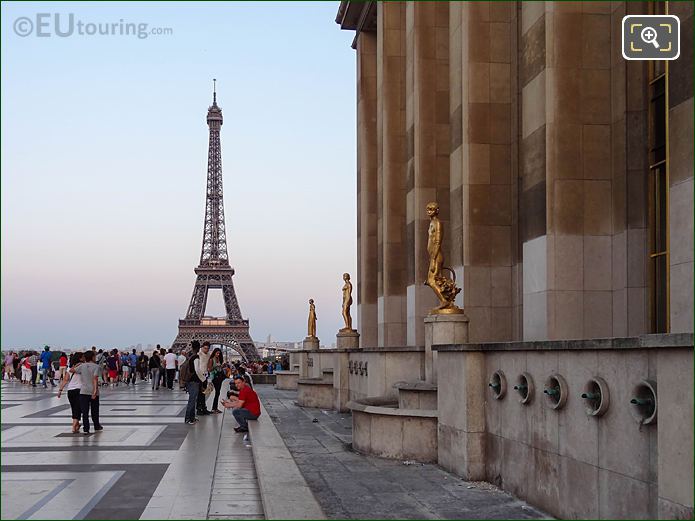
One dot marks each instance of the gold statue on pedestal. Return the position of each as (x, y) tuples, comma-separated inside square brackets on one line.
[(311, 329), (347, 302), (443, 286)]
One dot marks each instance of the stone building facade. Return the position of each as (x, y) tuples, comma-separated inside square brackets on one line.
[(564, 172), (564, 175)]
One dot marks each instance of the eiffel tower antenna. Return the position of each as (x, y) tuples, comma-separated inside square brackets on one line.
[(214, 271)]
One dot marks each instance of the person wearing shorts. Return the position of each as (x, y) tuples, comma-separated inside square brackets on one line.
[(9, 367)]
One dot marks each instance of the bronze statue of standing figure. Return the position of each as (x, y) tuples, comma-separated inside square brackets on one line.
[(347, 302), (443, 286)]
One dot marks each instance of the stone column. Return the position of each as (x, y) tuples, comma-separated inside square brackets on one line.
[(391, 305), (442, 329), (566, 209), (578, 246), (427, 123), (680, 129), (367, 188), (482, 169)]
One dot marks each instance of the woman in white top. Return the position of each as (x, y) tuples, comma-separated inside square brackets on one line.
[(73, 382)]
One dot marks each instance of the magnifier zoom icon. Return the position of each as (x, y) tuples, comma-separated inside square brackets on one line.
[(648, 35)]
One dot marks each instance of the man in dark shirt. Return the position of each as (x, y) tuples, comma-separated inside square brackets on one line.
[(244, 408)]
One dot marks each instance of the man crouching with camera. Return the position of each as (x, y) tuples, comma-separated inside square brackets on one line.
[(244, 408)]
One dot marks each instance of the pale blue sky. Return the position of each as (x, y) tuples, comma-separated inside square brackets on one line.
[(104, 150)]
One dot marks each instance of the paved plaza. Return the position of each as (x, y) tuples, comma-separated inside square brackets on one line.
[(145, 464), (353, 486)]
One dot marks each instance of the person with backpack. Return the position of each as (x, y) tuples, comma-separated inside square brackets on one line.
[(192, 374)]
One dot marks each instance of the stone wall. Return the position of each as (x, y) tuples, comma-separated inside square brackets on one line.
[(564, 460)]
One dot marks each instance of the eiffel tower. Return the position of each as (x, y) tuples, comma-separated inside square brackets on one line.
[(214, 271)]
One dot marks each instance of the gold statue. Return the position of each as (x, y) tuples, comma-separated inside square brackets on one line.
[(347, 302), (444, 287), (312, 319)]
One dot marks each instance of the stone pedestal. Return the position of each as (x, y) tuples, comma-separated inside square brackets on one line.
[(310, 342), (348, 339), (442, 329)]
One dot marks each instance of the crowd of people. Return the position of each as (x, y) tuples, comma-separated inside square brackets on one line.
[(34, 368), (198, 371)]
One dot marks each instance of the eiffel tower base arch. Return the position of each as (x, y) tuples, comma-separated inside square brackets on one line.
[(228, 336)]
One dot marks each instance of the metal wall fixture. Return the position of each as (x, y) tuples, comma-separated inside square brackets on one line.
[(524, 386), (596, 396), (555, 391), (643, 403), (358, 368), (498, 385)]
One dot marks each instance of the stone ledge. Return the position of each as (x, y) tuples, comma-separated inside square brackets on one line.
[(420, 385), (284, 492), (288, 373), (391, 410), (314, 381), (684, 340), (397, 349)]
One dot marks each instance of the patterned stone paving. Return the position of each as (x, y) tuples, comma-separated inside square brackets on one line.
[(145, 464), (349, 485)]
